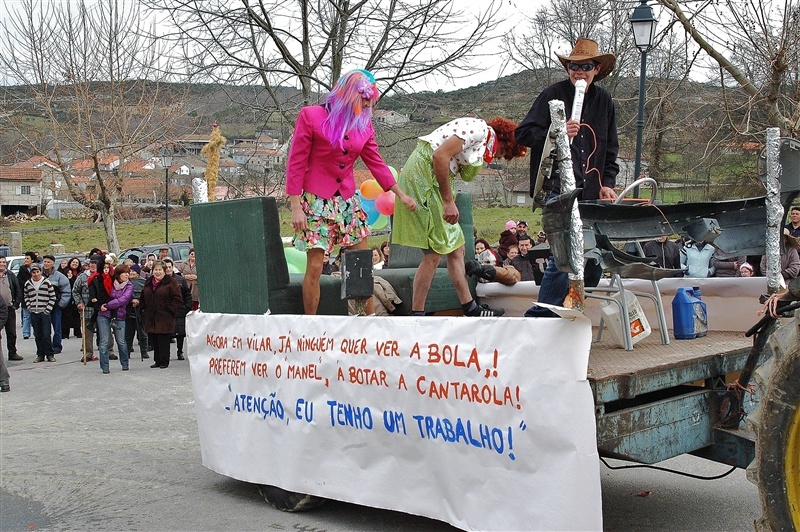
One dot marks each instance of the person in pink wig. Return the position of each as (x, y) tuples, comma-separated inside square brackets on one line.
[(326, 211)]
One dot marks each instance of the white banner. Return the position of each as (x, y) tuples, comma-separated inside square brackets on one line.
[(485, 423)]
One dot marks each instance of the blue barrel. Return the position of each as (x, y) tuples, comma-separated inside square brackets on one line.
[(689, 315)]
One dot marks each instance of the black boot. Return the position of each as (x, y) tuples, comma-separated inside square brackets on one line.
[(484, 271)]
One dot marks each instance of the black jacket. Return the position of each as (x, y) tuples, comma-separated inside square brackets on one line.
[(3, 312), (23, 277), (186, 305), (599, 140)]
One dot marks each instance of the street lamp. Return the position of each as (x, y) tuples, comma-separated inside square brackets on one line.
[(644, 34), (166, 162)]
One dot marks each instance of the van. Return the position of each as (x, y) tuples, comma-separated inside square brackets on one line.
[(178, 251)]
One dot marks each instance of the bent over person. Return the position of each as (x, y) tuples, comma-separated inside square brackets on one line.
[(320, 184), (456, 149)]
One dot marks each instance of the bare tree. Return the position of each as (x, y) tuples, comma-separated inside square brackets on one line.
[(97, 83), (297, 43), (755, 45), (557, 26)]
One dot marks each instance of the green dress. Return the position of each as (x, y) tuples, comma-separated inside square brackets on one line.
[(425, 228)]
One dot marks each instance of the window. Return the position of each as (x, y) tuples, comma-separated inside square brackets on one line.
[(24, 190)]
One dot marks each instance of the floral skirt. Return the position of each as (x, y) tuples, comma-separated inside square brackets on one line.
[(330, 222)]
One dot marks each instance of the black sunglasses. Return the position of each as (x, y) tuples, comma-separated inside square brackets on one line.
[(586, 67)]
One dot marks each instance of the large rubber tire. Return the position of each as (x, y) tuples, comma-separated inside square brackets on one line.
[(776, 469), (289, 501)]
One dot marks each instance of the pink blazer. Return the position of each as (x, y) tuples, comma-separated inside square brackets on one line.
[(316, 166)]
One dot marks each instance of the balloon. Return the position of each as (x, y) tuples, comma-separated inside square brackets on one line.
[(385, 203), (295, 260), (393, 170), (369, 208), (370, 189), (380, 223)]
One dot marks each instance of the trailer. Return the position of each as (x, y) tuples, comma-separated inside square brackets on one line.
[(731, 396)]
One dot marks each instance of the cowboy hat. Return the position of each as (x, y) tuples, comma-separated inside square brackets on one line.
[(586, 49)]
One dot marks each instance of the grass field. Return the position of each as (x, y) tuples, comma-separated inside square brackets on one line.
[(489, 221)]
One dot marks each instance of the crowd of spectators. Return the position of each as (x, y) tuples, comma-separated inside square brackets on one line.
[(105, 302)]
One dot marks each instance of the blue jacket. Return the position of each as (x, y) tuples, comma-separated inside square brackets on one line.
[(62, 287), (697, 262)]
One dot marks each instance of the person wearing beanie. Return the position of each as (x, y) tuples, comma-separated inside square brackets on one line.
[(507, 238), (40, 298), (746, 270)]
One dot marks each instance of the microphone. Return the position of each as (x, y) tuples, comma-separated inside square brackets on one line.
[(577, 103)]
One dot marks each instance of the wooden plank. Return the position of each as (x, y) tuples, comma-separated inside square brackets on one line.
[(618, 374)]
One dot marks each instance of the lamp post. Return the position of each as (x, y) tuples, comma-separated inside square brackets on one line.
[(644, 32), (166, 162)]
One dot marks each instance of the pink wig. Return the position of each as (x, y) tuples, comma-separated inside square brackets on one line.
[(345, 104)]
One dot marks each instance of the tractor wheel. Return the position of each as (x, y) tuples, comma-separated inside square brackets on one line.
[(776, 420), (289, 501)]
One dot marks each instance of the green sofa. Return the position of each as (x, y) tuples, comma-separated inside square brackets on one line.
[(241, 268)]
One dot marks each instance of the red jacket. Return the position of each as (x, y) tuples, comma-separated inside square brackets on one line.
[(316, 166)]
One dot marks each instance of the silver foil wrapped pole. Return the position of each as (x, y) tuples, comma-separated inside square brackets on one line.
[(200, 190), (775, 212), (558, 118)]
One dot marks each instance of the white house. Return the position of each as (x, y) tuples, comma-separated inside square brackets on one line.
[(390, 118), (21, 190)]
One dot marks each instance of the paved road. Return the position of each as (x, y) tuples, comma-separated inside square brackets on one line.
[(86, 451)]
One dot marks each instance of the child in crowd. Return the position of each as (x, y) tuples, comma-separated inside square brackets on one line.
[(507, 238)]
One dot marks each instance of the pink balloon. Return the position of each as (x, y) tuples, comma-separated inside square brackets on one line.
[(385, 203)]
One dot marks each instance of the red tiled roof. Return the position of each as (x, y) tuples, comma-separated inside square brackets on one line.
[(35, 162), (20, 174), (136, 165), (82, 164)]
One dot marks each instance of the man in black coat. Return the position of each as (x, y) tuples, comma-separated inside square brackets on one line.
[(133, 325)]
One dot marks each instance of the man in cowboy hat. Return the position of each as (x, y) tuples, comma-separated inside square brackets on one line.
[(593, 147), (594, 138)]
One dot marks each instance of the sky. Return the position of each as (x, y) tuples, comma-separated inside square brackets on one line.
[(514, 11)]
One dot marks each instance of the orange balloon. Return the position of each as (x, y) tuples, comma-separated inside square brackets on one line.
[(370, 189)]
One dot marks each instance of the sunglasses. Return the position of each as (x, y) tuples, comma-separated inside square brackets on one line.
[(586, 67)]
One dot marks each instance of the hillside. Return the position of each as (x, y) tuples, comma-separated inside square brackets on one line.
[(242, 111)]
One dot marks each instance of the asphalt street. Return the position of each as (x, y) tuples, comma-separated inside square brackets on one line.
[(80, 450)]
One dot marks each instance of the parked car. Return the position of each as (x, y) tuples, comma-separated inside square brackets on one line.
[(14, 262), (178, 251)]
